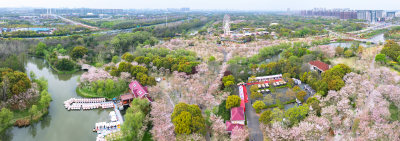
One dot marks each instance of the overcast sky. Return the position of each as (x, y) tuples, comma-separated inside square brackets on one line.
[(207, 4)]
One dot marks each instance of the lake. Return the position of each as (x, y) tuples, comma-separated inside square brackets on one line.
[(60, 124)]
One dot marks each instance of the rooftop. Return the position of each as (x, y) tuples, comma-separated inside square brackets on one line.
[(137, 89), (321, 65), (237, 113), (127, 97), (230, 126)]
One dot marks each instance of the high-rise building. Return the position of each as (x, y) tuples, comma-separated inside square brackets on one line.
[(390, 14), (370, 15), (338, 13)]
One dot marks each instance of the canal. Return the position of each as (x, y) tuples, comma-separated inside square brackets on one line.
[(60, 124)]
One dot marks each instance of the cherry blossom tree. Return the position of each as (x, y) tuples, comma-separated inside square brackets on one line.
[(239, 134), (163, 129), (218, 128)]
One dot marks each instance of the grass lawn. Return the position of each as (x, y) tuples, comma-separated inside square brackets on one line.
[(351, 62)]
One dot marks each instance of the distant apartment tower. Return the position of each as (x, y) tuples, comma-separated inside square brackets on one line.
[(185, 9), (337, 13), (348, 15), (390, 14), (370, 15)]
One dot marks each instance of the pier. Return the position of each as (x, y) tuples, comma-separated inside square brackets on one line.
[(101, 128), (87, 103)]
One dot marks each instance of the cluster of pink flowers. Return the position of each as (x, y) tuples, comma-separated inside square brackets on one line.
[(163, 129), (218, 127), (239, 134), (327, 50), (95, 74), (359, 111)]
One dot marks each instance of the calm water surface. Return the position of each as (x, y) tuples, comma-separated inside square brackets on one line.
[(60, 124)]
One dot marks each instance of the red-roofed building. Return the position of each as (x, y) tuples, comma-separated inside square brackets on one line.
[(138, 90), (126, 98), (318, 66), (230, 126), (237, 119), (237, 115)]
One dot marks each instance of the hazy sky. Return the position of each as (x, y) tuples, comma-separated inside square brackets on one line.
[(208, 4)]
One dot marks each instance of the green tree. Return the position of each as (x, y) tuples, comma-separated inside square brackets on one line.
[(232, 101), (5, 117), (277, 115), (115, 59), (258, 106), (391, 49), (253, 88), (78, 52), (266, 117), (223, 112), (40, 49), (128, 57), (398, 59), (182, 123), (256, 95), (296, 88), (252, 79), (268, 99), (380, 58), (211, 59), (45, 100), (33, 110), (348, 53), (65, 64), (339, 50), (32, 75), (296, 114), (109, 86), (300, 95), (132, 124), (188, 119), (228, 80)]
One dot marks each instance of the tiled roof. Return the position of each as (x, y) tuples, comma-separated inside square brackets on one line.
[(230, 126), (321, 65), (237, 113), (137, 89), (127, 97)]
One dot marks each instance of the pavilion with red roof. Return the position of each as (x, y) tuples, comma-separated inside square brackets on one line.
[(139, 91), (237, 119), (318, 66)]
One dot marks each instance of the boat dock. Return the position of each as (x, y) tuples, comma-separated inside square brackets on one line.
[(102, 128), (87, 103), (105, 128)]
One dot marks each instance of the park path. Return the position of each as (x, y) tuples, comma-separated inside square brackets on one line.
[(252, 122)]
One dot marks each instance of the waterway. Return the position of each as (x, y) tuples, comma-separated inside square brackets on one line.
[(380, 38), (60, 124)]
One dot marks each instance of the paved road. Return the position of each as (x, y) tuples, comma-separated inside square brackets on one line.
[(252, 122), (75, 22)]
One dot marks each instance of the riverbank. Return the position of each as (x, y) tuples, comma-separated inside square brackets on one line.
[(82, 93), (60, 71), (22, 118)]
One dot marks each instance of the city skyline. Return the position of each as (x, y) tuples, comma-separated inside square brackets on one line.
[(263, 5)]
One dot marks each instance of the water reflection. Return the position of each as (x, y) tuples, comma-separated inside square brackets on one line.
[(45, 121), (60, 124), (6, 135), (32, 130)]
